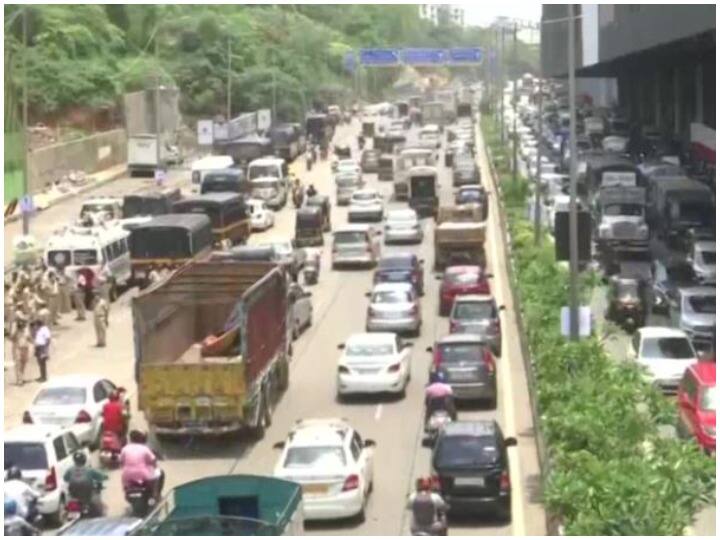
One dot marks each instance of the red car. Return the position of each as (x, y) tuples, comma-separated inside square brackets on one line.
[(461, 280), (696, 405)]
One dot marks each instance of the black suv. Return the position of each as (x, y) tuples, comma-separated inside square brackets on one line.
[(470, 459)]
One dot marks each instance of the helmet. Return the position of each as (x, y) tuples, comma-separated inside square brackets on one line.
[(14, 473), (79, 459), (10, 507)]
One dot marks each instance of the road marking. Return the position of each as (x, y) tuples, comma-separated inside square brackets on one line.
[(504, 378), (378, 411)]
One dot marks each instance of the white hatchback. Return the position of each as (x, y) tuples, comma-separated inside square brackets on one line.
[(72, 401), (332, 463), (664, 352), (373, 363), (261, 217)]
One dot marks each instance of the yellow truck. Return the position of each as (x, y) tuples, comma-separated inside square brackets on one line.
[(211, 348), (459, 236)]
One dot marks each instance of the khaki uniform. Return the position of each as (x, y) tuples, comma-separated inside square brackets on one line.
[(22, 340), (52, 293), (9, 310), (65, 300), (101, 314)]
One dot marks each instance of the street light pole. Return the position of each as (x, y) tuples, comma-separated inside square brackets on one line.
[(25, 211), (574, 322), (157, 113), (540, 134), (229, 80), (515, 76), (502, 85)]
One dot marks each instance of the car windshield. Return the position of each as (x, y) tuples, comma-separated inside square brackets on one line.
[(282, 248), (350, 237), (321, 457), (624, 209), (364, 196), (369, 349), (702, 212), (256, 171), (61, 396), (708, 399), (464, 278), (474, 310), (25, 456), (460, 352), (626, 289), (466, 451), (391, 297), (85, 257), (668, 348), (702, 303), (402, 217), (395, 262), (708, 257), (92, 208)]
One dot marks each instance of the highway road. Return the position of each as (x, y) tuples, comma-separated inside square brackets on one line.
[(339, 310)]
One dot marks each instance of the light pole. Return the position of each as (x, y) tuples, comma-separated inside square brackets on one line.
[(574, 322), (25, 211), (515, 100), (229, 80), (158, 166), (502, 85), (536, 215)]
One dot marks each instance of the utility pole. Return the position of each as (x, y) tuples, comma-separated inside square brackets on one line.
[(274, 95), (574, 321), (515, 99), (158, 166), (502, 85), (229, 80), (540, 130), (26, 149)]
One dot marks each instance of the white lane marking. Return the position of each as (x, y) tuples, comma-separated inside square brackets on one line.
[(517, 503), (378, 411)]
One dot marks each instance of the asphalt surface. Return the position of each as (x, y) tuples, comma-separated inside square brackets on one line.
[(339, 310)]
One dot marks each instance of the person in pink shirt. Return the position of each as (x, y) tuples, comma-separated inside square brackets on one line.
[(139, 464), (439, 394)]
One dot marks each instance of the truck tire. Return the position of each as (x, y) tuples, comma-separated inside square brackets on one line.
[(283, 375), (257, 432)]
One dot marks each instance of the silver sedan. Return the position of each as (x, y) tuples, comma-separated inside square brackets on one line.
[(403, 226), (394, 307)]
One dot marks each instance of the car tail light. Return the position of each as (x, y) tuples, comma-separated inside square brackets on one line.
[(394, 368), (51, 480), (27, 419), (343, 369), (489, 361), (483, 286), (83, 418), (351, 482), (504, 481), (73, 506), (495, 326)]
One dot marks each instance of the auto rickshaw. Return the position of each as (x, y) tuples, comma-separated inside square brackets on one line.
[(626, 302), (309, 226), (311, 270), (343, 152), (323, 203)]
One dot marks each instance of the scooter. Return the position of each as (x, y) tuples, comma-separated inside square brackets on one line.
[(438, 419), (76, 509), (110, 447), (140, 496), (311, 270)]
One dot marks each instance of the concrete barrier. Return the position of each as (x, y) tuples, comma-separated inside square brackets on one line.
[(89, 154)]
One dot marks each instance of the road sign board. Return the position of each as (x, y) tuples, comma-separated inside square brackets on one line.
[(264, 119), (27, 206), (467, 55), (379, 57), (423, 57), (205, 132)]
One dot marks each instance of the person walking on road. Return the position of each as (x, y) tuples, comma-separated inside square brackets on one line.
[(64, 283), (79, 297), (51, 287), (22, 341), (101, 313), (42, 340)]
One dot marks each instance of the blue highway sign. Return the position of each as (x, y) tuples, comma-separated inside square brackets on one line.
[(469, 55), (379, 57), (423, 57)]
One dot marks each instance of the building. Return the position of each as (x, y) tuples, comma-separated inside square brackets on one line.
[(443, 14), (662, 57)]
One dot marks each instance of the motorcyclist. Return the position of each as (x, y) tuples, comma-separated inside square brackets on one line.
[(84, 484), (16, 525), (311, 191), (439, 395), (115, 416), (428, 510), (19, 491), (139, 464)]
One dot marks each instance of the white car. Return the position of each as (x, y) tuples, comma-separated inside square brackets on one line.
[(332, 463), (373, 363), (302, 309), (403, 225), (664, 352), (72, 401), (702, 259), (261, 217), (43, 454), (366, 204), (348, 166)]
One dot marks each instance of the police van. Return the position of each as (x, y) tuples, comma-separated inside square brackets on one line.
[(87, 250)]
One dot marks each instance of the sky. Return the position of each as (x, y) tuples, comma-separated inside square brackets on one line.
[(484, 13)]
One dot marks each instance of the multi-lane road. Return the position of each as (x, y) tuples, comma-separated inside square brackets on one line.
[(339, 310)]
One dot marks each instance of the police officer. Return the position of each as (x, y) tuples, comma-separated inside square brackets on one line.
[(101, 313), (22, 342), (51, 289), (78, 297), (64, 283)]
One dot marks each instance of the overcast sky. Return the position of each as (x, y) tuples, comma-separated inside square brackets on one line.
[(484, 13)]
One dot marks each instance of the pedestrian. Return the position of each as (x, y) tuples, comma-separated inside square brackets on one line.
[(51, 287), (22, 341), (41, 341), (9, 308), (101, 313), (104, 283), (65, 300), (79, 297)]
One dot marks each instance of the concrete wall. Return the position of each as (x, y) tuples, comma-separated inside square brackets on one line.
[(89, 154)]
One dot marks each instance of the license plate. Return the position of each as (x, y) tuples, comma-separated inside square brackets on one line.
[(478, 481), (367, 371), (314, 489), (72, 516)]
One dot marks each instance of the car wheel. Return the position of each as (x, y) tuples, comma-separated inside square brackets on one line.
[(492, 402), (58, 518), (505, 512)]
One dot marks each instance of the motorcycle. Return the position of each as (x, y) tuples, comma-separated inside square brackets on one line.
[(311, 270), (76, 509), (110, 446), (141, 498), (440, 415)]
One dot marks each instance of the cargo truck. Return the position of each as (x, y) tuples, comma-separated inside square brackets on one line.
[(142, 152), (211, 348), (228, 505), (433, 112), (459, 236)]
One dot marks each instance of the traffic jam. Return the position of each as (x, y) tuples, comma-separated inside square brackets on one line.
[(371, 231)]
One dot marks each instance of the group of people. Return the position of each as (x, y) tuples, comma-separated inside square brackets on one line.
[(36, 298)]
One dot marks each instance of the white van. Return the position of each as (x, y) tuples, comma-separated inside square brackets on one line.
[(207, 164), (90, 249)]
